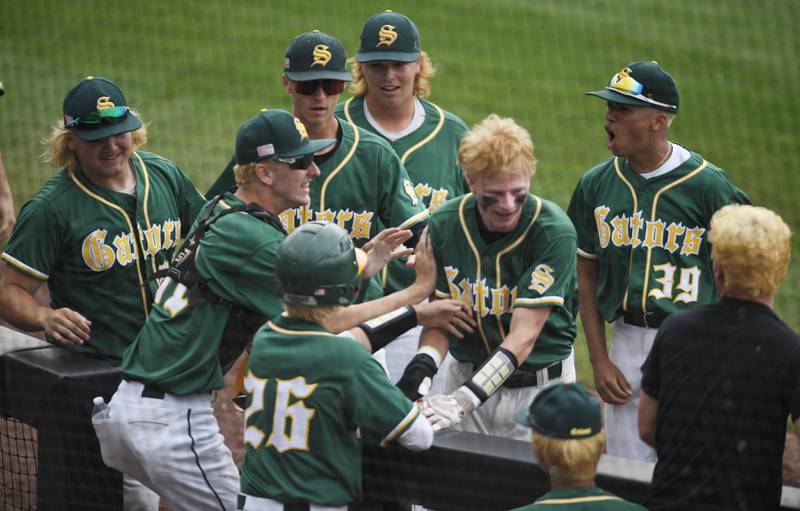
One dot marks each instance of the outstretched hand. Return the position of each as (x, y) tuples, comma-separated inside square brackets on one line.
[(424, 263), (453, 316), (383, 247)]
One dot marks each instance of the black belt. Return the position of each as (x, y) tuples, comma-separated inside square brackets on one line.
[(529, 379), (644, 319), (148, 390), (296, 506)]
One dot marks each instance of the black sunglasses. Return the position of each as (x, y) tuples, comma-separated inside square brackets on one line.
[(298, 163), (330, 87)]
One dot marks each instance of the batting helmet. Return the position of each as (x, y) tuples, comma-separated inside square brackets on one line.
[(319, 265)]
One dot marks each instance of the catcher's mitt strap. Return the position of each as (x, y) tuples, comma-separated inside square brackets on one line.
[(490, 376), (387, 327)]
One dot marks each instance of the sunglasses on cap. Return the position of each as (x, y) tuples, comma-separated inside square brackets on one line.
[(98, 117), (299, 163), (625, 84), (330, 87)]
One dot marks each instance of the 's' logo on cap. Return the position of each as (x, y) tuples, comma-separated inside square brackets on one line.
[(104, 102), (300, 128), (386, 35), (321, 55)]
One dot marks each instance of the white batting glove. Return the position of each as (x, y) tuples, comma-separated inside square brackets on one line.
[(444, 411)]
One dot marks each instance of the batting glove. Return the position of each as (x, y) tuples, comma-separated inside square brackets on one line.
[(444, 411)]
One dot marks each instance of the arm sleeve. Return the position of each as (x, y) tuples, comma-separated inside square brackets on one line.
[(583, 219), (225, 180), (380, 409), (258, 282), (550, 278), (37, 243), (191, 202)]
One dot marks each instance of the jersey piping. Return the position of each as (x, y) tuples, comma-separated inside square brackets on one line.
[(578, 500), (287, 331), (401, 426), (140, 251), (356, 140)]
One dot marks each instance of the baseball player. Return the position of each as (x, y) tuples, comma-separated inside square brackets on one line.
[(96, 233), (363, 187), (568, 439), (7, 215), (507, 254), (641, 218), (219, 289), (390, 82), (302, 450)]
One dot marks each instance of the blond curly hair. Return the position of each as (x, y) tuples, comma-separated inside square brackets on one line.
[(751, 244), (422, 87), (567, 460), (496, 144)]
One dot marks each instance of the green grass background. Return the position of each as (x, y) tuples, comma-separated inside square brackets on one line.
[(196, 70)]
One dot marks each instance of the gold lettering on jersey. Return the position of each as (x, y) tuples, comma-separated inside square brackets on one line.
[(625, 231), (654, 234), (126, 252), (692, 241), (321, 55), (324, 216), (387, 35), (362, 223), (152, 237), (359, 225), (104, 102), (603, 232), (423, 190), (636, 226), (342, 217), (301, 128), (542, 278), (480, 297), (619, 235), (409, 189), (438, 198), (96, 254), (123, 250), (673, 231)]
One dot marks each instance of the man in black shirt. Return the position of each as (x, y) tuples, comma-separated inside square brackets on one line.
[(722, 379)]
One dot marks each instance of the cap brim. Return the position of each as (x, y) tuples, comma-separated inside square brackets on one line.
[(522, 417), (616, 97), (310, 147), (305, 76), (395, 56), (130, 123)]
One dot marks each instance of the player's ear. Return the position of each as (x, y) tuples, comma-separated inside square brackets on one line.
[(719, 277), (263, 173), (286, 83), (470, 182)]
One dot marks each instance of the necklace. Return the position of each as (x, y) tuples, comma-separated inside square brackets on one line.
[(665, 158)]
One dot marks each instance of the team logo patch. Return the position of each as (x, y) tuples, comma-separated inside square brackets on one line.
[(321, 55), (301, 128), (104, 102), (387, 35)]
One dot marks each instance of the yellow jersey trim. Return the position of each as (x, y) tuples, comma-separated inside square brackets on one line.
[(578, 500), (402, 425), (287, 331), (24, 268), (356, 140), (477, 256)]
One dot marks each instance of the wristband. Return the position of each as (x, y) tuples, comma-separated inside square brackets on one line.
[(387, 327), (490, 376)]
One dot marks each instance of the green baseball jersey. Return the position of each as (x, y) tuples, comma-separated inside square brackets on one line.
[(97, 249), (531, 266), (430, 155), (178, 346), (308, 391), (648, 236), (580, 499), (362, 187)]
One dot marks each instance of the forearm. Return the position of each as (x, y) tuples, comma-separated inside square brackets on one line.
[(593, 323), (20, 309), (354, 315)]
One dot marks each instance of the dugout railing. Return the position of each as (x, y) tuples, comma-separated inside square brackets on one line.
[(49, 390)]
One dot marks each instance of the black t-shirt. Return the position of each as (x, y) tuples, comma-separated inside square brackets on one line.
[(726, 376)]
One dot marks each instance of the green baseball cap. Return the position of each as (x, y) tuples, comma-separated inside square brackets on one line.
[(275, 134), (642, 83), (316, 55), (96, 109), (564, 410), (388, 36)]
